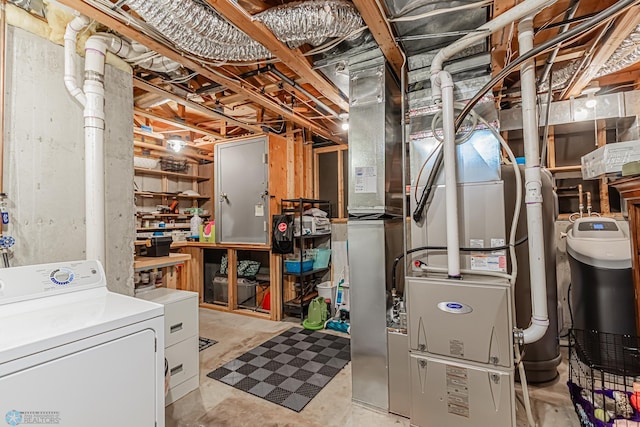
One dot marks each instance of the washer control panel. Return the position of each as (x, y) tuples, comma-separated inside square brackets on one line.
[(34, 281)]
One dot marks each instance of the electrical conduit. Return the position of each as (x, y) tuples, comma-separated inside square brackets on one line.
[(533, 189)]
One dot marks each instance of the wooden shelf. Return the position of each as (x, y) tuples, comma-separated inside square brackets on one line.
[(150, 194), (159, 215), (173, 227), (158, 172), (148, 263)]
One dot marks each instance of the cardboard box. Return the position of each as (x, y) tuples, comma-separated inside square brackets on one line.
[(609, 159)]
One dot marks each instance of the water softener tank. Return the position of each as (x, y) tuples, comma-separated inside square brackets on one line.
[(602, 294)]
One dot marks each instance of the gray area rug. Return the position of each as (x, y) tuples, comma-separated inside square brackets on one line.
[(205, 343), (289, 369)]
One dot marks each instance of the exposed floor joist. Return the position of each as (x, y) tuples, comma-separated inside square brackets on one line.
[(173, 54), (146, 86), (621, 30), (377, 23), (186, 126), (296, 62)]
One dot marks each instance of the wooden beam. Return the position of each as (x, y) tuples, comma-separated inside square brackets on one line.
[(551, 147), (621, 30), (501, 42), (144, 85), (376, 20), (601, 135), (175, 55), (176, 123), (235, 14)]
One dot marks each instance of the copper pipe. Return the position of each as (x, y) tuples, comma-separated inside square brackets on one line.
[(580, 205)]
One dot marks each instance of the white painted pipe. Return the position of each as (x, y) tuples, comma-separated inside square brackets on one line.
[(519, 11), (95, 52), (130, 53), (70, 74), (533, 188), (450, 182)]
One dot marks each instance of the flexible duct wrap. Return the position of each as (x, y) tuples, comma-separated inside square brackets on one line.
[(311, 21), (628, 53), (201, 31)]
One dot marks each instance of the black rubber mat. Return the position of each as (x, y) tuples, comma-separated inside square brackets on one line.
[(289, 369), (205, 343)]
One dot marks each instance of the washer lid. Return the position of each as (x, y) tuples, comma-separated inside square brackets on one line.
[(35, 325), (599, 242)]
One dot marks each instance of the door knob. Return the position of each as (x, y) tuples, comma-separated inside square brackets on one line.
[(224, 197)]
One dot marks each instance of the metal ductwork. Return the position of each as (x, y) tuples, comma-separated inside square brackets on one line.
[(560, 77), (311, 21), (199, 30), (628, 53)]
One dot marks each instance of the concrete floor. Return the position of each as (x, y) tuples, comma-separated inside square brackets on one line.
[(216, 404)]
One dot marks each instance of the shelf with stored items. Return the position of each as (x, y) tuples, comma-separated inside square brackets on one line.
[(309, 263), (242, 279), (169, 193)]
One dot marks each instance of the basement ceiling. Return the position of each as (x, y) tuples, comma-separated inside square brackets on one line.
[(206, 99)]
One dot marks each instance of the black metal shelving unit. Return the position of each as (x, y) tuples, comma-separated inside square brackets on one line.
[(305, 293)]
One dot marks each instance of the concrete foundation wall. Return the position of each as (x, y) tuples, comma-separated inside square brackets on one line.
[(44, 161)]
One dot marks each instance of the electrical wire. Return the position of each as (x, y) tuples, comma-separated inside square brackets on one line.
[(435, 149), (597, 20)]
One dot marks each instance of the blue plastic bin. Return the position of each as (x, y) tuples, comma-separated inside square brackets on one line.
[(293, 266)]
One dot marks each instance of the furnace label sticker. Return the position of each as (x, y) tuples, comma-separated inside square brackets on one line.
[(488, 261), (457, 391), (366, 179)]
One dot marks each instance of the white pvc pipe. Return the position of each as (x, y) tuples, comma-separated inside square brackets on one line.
[(519, 11), (95, 51), (533, 188), (130, 53), (70, 75), (450, 182)]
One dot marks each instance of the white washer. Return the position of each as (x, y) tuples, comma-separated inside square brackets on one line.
[(74, 354)]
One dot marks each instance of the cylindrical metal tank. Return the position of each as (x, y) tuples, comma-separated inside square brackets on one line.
[(541, 358), (602, 294)]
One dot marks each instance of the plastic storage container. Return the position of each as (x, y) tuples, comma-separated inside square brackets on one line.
[(293, 266), (321, 259)]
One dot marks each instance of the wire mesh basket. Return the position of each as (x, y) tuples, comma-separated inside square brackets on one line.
[(603, 377), (171, 164)]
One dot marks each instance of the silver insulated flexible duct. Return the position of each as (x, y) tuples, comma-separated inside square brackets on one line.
[(628, 53), (310, 21), (199, 30)]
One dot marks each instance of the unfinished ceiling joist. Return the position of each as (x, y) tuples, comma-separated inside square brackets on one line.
[(232, 84), (176, 123), (296, 62), (149, 87), (377, 23), (623, 26)]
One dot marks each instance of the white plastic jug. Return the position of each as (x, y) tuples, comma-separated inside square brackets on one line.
[(196, 222)]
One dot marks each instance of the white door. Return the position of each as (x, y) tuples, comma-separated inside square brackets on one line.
[(106, 385)]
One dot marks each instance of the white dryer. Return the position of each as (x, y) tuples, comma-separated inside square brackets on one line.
[(74, 354)]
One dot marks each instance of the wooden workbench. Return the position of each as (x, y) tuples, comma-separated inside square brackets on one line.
[(142, 263)]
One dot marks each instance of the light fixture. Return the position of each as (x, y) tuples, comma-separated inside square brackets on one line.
[(591, 91), (345, 121), (175, 142)]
